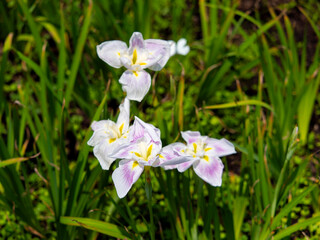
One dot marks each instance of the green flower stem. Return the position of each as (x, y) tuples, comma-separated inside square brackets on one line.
[(149, 197)]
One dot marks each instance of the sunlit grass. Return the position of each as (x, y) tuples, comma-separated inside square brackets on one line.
[(256, 86)]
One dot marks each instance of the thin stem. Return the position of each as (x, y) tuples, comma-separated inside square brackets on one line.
[(149, 197)]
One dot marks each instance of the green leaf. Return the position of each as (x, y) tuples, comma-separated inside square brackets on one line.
[(98, 226), (296, 227), (16, 160), (240, 103), (285, 210)]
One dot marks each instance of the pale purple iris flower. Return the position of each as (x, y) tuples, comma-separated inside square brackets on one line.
[(201, 152), (108, 136), (141, 54), (142, 151)]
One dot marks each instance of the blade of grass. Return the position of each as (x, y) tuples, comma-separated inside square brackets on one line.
[(98, 226), (296, 227), (240, 103), (77, 55), (16, 160)]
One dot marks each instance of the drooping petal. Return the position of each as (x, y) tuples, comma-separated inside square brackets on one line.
[(101, 131), (190, 136), (124, 151), (182, 47), (159, 53), (125, 176), (101, 152), (219, 148), (136, 84), (136, 41), (111, 51), (188, 163), (170, 156), (210, 171)]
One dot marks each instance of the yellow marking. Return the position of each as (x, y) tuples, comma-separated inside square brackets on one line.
[(149, 151), (182, 151), (195, 147), (134, 56), (134, 164), (135, 73), (142, 64), (160, 156), (207, 149), (121, 128), (111, 140), (205, 157), (118, 53), (137, 154)]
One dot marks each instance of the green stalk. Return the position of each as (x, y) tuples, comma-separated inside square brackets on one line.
[(149, 197)]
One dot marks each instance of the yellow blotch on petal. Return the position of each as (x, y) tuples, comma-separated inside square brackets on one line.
[(111, 140), (134, 56), (134, 164), (118, 53), (121, 128), (135, 73), (142, 64), (149, 151), (160, 156), (207, 149), (195, 147), (205, 157), (137, 154)]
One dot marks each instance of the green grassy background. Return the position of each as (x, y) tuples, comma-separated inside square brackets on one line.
[(251, 76)]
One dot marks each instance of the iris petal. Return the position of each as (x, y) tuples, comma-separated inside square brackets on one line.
[(135, 84), (190, 136), (210, 171), (220, 147), (111, 51), (159, 53), (125, 176)]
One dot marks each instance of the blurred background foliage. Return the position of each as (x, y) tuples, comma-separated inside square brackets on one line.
[(252, 76)]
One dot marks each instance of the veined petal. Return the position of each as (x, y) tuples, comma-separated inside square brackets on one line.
[(159, 53), (140, 129), (184, 166), (210, 171), (135, 84), (100, 125), (219, 148), (124, 151), (111, 51), (125, 176), (101, 152), (101, 131), (190, 136), (169, 157), (136, 41)]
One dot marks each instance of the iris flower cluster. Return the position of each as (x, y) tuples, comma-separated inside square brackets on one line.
[(139, 146)]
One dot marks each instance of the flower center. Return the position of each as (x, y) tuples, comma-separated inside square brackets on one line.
[(117, 133), (144, 151), (138, 61), (198, 149)]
